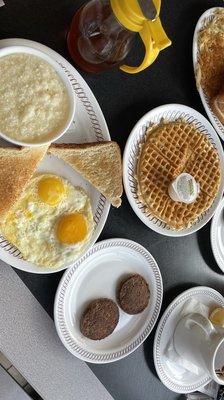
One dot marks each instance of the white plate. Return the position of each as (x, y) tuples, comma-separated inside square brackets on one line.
[(89, 126), (200, 24), (164, 333), (170, 112), (96, 275), (217, 235)]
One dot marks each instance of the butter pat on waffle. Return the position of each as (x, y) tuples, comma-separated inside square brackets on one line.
[(170, 149)]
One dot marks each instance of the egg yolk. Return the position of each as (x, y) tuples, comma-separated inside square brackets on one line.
[(51, 190), (72, 228)]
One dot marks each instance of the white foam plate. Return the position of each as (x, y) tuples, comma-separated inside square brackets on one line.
[(200, 24), (164, 333), (170, 112), (89, 126), (217, 235), (98, 274)]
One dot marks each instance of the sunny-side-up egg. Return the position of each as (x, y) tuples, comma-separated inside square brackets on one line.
[(51, 223)]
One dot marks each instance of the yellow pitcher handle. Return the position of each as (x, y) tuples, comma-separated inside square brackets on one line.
[(158, 34), (155, 39)]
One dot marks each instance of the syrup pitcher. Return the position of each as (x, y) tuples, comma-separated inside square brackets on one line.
[(102, 32), (197, 340)]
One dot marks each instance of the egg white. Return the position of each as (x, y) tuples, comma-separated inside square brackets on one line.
[(31, 225)]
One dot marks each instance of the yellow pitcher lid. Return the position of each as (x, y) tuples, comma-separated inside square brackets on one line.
[(130, 15)]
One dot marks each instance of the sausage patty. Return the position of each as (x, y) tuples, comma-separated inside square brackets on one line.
[(99, 319), (134, 294)]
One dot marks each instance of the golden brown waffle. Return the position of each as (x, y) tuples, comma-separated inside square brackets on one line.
[(180, 215), (169, 149), (175, 141), (160, 171), (206, 171)]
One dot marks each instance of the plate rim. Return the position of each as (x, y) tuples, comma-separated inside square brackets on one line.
[(126, 155), (105, 358), (219, 127), (106, 136), (156, 345), (56, 54), (213, 235)]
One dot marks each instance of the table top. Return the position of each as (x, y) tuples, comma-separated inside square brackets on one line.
[(184, 262)]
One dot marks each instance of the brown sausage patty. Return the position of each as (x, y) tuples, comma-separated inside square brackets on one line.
[(99, 319), (134, 294)]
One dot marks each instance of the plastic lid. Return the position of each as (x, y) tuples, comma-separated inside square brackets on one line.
[(129, 13), (184, 189)]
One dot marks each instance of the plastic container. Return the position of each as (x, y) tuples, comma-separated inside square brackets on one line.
[(184, 189), (102, 32)]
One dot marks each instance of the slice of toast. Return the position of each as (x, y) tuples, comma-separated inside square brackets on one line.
[(17, 166), (99, 163), (217, 104)]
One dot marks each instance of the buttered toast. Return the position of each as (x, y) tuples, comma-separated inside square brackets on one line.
[(99, 163), (17, 165)]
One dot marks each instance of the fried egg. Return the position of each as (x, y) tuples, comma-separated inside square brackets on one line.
[(51, 223)]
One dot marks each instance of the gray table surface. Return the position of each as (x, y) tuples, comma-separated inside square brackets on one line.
[(29, 340), (184, 262), (9, 388)]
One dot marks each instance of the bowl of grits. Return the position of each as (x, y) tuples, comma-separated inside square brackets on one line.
[(37, 102)]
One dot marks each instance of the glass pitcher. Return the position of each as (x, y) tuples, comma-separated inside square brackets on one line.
[(102, 32)]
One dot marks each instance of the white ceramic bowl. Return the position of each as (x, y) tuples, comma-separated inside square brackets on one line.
[(29, 50)]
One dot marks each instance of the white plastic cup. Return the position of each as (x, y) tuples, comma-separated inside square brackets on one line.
[(184, 189)]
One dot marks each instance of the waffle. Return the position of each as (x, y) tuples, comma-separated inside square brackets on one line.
[(160, 171), (175, 141), (205, 172), (169, 149)]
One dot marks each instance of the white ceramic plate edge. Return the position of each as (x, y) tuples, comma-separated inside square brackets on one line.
[(159, 110), (206, 380), (213, 235), (55, 55), (214, 120), (102, 122), (159, 300)]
